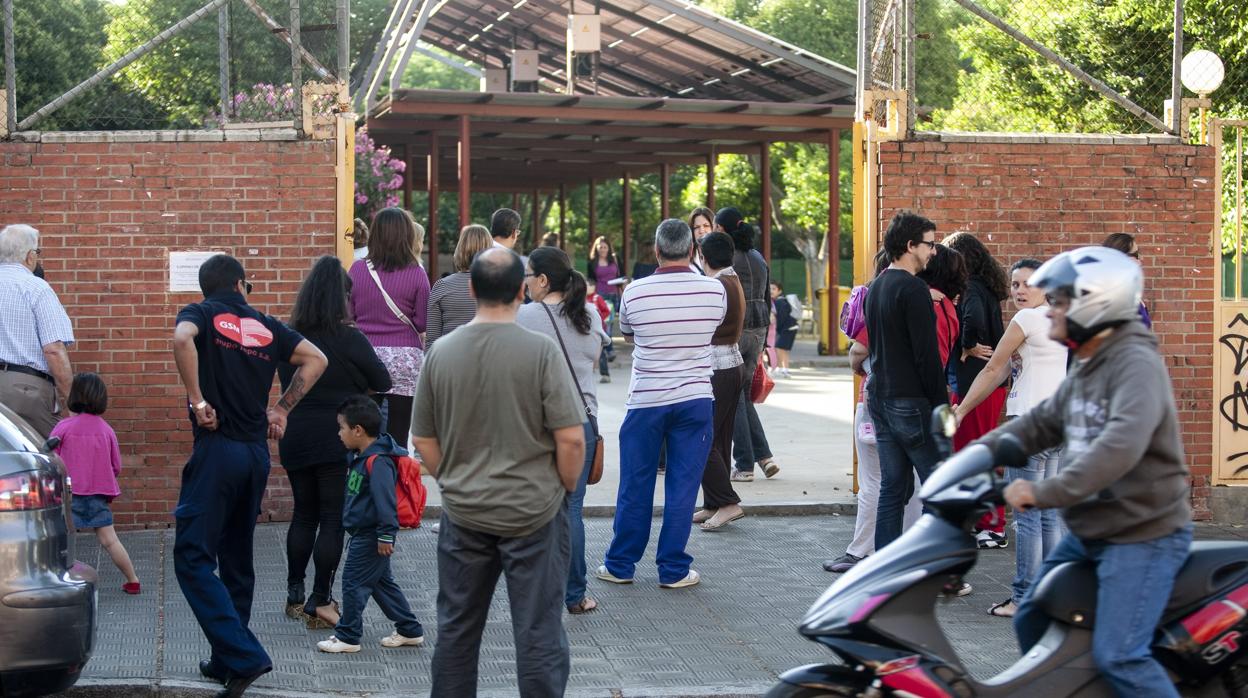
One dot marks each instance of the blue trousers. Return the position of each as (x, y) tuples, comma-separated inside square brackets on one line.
[(367, 575), (686, 428), (222, 486), (1036, 531), (576, 523), (1134, 581)]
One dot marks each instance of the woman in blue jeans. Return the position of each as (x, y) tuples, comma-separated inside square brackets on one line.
[(560, 312), (1037, 375)]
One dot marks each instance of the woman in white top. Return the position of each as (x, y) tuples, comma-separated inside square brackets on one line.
[(1040, 370)]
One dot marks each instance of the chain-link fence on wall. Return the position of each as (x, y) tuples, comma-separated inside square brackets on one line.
[(166, 64), (1052, 65)]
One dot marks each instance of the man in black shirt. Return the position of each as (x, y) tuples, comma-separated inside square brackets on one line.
[(227, 353), (907, 380)]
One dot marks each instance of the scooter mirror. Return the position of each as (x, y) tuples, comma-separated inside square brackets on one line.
[(944, 422), (1009, 452)]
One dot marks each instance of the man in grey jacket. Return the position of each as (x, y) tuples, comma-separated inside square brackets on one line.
[(1123, 486)]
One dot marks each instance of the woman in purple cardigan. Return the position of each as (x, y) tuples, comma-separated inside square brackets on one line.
[(389, 299)]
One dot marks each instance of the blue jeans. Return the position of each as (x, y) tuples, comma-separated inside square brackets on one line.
[(576, 524), (686, 428), (1036, 531), (906, 446), (1134, 583), (366, 575)]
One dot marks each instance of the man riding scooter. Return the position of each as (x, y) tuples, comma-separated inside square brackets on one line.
[(1123, 486)]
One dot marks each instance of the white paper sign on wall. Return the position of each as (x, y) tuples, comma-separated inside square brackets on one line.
[(524, 65), (585, 33), (184, 270)]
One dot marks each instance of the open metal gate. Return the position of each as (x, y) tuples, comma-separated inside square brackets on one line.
[(1230, 363)]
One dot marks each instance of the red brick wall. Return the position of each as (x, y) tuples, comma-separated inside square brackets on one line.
[(109, 214), (1037, 199)]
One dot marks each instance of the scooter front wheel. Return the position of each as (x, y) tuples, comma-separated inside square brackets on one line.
[(787, 690)]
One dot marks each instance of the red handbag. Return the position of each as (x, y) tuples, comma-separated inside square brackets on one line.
[(761, 385)]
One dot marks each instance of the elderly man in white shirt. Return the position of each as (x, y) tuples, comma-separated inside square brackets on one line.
[(35, 332)]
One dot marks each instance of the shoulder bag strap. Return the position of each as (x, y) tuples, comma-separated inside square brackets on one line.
[(394, 308), (566, 358)]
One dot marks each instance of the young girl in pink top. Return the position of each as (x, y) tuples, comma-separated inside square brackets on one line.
[(89, 448)]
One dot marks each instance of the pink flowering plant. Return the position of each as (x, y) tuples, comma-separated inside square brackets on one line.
[(378, 176), (266, 102)]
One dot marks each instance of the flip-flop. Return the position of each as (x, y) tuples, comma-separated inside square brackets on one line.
[(998, 609), (710, 526), (585, 605)]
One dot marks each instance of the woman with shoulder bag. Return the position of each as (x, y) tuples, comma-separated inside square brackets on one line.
[(559, 310), (390, 302), (313, 456)]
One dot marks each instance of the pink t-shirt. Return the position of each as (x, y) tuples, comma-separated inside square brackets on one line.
[(91, 454)]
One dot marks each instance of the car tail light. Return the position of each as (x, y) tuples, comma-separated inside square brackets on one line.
[(30, 490)]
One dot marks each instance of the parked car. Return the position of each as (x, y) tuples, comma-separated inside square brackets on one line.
[(47, 598)]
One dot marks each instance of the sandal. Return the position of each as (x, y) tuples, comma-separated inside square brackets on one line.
[(1005, 609), (326, 617), (714, 524), (703, 515), (585, 605)]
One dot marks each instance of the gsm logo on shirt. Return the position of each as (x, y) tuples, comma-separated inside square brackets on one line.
[(247, 331)]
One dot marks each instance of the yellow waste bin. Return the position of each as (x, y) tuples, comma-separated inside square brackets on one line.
[(828, 320)]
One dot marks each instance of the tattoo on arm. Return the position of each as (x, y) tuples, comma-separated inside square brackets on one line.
[(294, 393)]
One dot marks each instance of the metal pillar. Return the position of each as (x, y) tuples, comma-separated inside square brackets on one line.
[(593, 215), (408, 175), (765, 168), (1176, 72), (10, 70), (432, 188), (344, 49), (515, 202), (563, 215), (535, 229), (711, 161), (296, 64), (665, 191), (628, 224), (223, 51), (834, 238), (465, 171)]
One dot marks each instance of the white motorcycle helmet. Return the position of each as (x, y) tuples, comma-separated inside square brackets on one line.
[(1103, 284)]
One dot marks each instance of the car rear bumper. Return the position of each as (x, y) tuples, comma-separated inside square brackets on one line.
[(51, 626)]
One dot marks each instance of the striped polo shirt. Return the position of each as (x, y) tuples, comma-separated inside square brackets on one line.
[(671, 316)]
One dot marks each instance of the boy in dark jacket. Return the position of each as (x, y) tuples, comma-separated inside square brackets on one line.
[(371, 516)]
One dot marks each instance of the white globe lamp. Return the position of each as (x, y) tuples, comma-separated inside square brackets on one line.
[(1202, 72)]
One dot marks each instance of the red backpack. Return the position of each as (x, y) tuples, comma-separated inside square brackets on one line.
[(410, 493)]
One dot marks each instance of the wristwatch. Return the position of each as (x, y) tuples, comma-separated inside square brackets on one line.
[(199, 405)]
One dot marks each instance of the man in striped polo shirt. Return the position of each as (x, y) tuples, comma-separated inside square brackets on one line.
[(670, 317)]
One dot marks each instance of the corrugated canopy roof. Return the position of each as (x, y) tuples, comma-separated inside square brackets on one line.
[(650, 48)]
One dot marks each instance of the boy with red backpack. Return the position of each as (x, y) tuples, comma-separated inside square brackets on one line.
[(371, 517)]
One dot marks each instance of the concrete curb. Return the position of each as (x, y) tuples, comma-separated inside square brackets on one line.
[(168, 688), (849, 508)]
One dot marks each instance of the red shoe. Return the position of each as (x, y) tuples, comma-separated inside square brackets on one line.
[(130, 587)]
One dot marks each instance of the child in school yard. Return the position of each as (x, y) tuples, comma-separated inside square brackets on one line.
[(93, 460), (604, 311), (371, 517)]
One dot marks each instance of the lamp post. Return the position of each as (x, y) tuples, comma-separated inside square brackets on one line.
[(1202, 72)]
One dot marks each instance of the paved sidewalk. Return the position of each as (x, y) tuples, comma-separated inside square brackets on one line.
[(809, 423), (730, 636)]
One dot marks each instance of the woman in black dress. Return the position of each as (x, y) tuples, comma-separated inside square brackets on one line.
[(314, 459)]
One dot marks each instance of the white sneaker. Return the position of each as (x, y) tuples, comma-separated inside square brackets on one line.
[(690, 579), (336, 646), (605, 575), (395, 639)]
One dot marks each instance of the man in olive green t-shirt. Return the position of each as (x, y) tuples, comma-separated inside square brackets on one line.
[(498, 422)]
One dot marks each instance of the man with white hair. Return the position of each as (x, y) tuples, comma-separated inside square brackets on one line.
[(670, 318), (34, 334)]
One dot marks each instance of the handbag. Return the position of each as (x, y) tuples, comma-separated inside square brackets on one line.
[(394, 308), (761, 385), (595, 469)]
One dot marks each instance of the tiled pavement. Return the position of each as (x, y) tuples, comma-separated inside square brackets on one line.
[(729, 636)]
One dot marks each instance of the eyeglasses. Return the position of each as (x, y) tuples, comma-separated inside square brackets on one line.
[(929, 243), (530, 275), (247, 287)]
